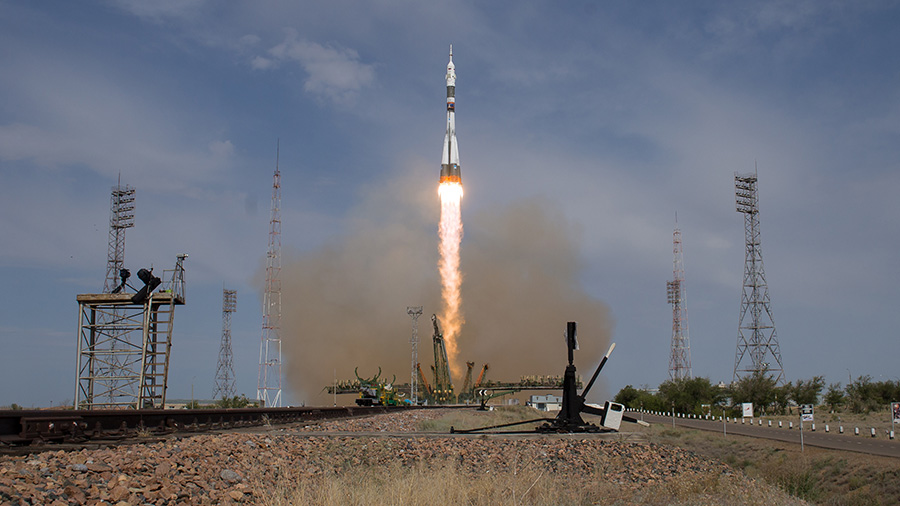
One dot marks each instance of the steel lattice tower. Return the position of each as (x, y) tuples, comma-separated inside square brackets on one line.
[(757, 343), (121, 218), (680, 360), (225, 368), (268, 391), (414, 312)]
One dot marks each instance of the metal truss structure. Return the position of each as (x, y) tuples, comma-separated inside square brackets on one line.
[(225, 368), (680, 359), (121, 218), (414, 312), (124, 343), (268, 391), (757, 343)]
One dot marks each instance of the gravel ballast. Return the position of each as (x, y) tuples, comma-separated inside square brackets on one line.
[(241, 467)]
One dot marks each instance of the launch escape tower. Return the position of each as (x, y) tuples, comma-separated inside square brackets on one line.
[(268, 391), (414, 312), (225, 368), (757, 343), (124, 342), (680, 360)]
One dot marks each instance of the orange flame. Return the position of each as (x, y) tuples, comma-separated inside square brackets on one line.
[(451, 231)]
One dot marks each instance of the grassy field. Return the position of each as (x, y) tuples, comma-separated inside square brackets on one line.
[(881, 421), (819, 476)]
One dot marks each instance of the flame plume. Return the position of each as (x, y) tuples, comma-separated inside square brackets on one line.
[(451, 231)]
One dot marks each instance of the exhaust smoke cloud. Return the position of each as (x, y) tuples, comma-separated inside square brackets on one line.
[(345, 303)]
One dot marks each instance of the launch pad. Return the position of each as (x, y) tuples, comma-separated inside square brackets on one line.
[(440, 389)]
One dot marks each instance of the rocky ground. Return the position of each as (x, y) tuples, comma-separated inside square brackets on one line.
[(243, 467)]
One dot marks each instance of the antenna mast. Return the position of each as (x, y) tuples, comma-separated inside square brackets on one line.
[(756, 328), (680, 360), (225, 369), (268, 391)]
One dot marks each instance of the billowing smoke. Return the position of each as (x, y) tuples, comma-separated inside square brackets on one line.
[(345, 304)]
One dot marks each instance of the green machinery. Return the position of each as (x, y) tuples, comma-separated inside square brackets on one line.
[(375, 391)]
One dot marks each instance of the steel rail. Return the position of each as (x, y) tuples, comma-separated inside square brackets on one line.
[(37, 427)]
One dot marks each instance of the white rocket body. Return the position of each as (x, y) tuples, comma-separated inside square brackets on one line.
[(450, 156)]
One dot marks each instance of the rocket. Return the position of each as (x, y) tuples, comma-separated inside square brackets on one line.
[(450, 156)]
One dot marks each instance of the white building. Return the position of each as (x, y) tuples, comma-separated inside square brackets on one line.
[(546, 402)]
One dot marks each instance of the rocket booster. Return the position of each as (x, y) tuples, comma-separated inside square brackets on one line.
[(450, 156)]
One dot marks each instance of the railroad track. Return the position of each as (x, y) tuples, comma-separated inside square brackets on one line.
[(39, 428)]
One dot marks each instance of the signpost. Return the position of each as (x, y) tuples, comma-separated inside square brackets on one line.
[(747, 409), (806, 415), (895, 416)]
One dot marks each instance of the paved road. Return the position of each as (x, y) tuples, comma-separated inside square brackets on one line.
[(864, 443)]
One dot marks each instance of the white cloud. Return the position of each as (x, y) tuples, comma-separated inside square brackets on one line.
[(262, 63), (221, 149), (159, 9), (333, 72)]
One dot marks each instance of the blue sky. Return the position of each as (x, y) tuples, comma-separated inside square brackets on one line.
[(595, 121)]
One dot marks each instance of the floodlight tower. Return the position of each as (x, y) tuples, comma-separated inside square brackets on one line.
[(225, 369), (680, 360), (414, 312), (121, 218), (757, 343), (268, 391)]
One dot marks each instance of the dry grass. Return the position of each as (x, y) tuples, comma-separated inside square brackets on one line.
[(472, 418), (423, 486), (817, 475), (605, 477)]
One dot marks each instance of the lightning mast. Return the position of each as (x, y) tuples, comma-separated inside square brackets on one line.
[(225, 368), (414, 312), (680, 360), (121, 218), (757, 342), (268, 391)]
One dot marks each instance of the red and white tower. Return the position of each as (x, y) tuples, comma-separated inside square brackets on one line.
[(268, 391), (680, 359)]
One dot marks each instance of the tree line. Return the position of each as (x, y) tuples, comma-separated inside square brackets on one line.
[(700, 396)]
